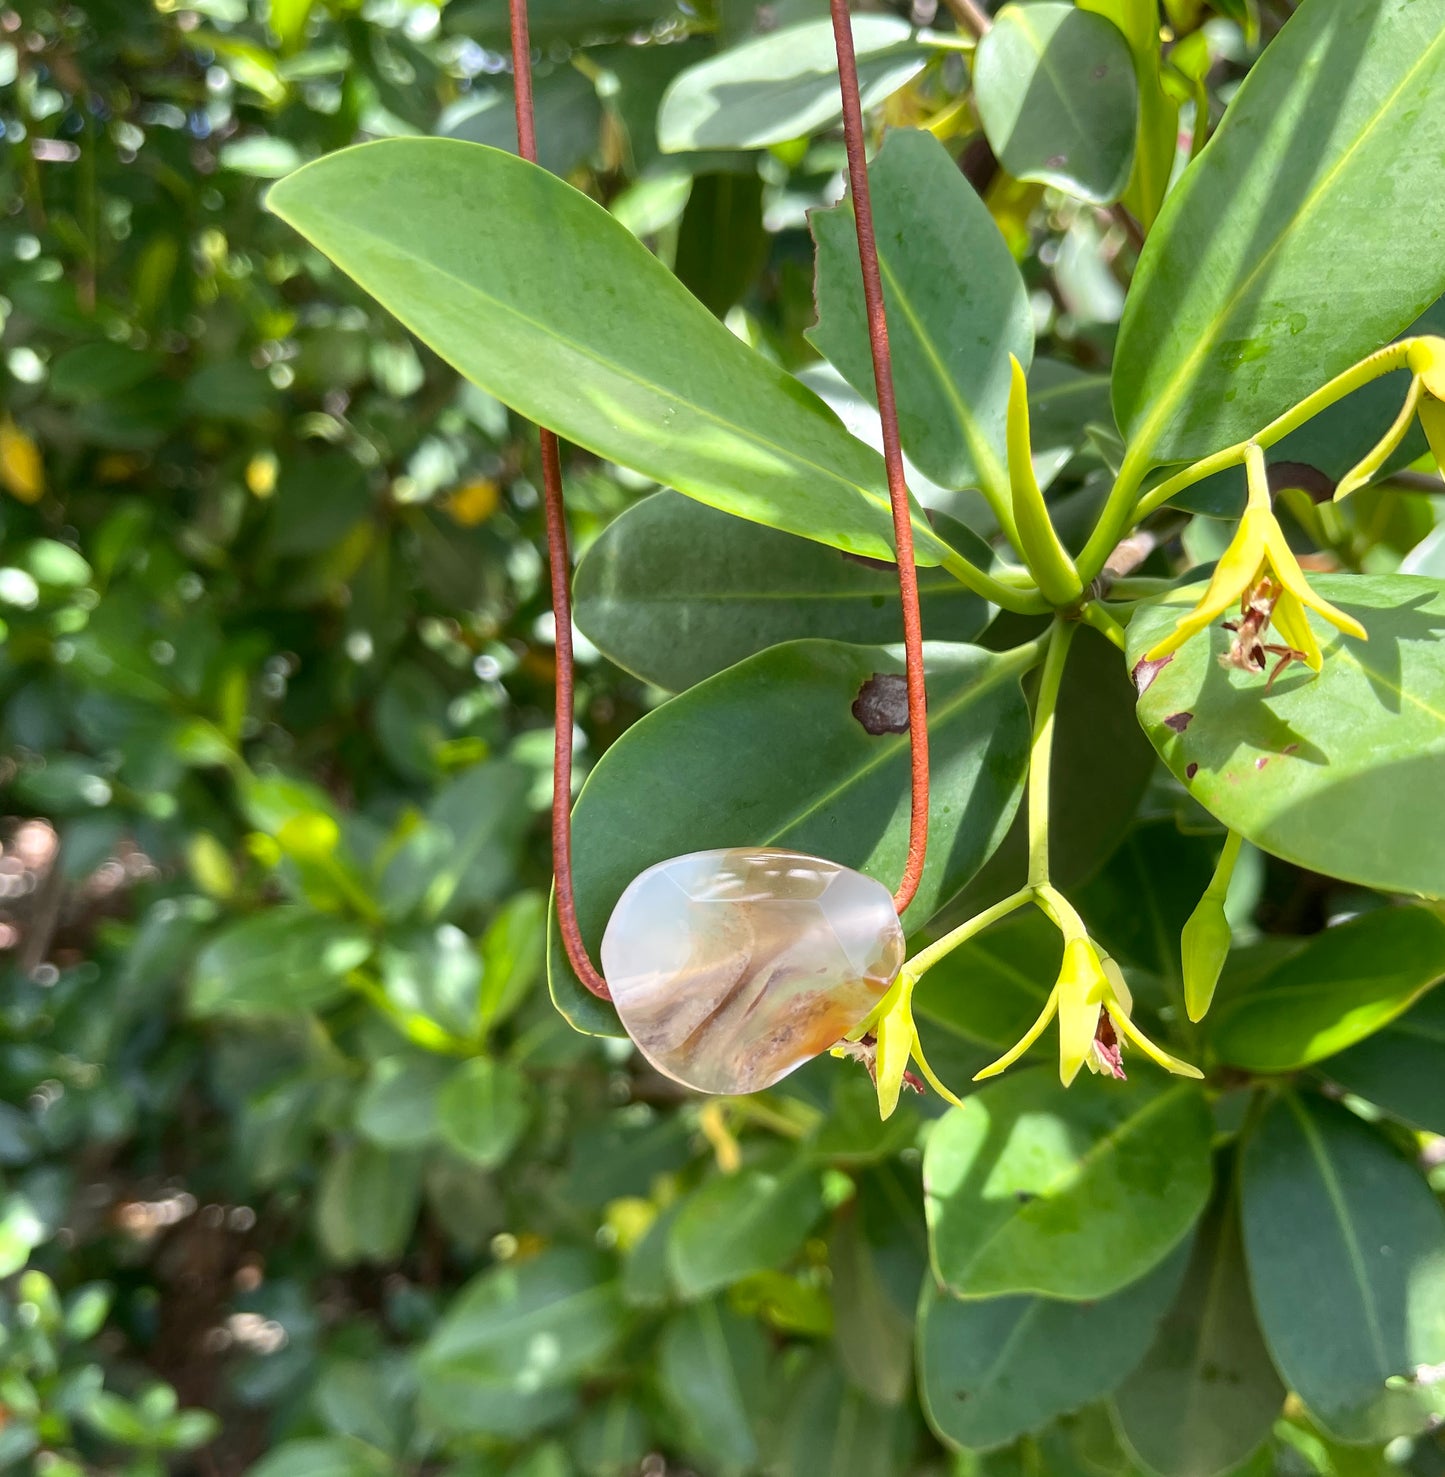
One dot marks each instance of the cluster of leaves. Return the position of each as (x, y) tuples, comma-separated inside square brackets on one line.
[(296, 1134)]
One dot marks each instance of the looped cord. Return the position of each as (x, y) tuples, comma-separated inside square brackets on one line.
[(560, 565)]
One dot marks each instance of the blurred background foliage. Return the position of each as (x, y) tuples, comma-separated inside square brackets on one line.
[(303, 1174)]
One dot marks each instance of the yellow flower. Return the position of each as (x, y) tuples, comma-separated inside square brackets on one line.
[(885, 1043), (1426, 362), (1095, 1011), (1259, 572), (22, 472)]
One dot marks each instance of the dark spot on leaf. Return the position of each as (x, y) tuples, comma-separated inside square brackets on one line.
[(1057, 161), (1146, 671), (1261, 761), (1101, 71), (882, 704), (1190, 771), (1024, 1196), (1179, 721), (1290, 749)]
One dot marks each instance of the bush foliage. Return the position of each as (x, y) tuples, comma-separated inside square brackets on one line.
[(306, 1171)]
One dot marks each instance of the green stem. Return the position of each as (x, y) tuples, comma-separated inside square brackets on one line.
[(1124, 506), (1061, 912), (925, 959), (1094, 614), (1041, 750), (1021, 602)]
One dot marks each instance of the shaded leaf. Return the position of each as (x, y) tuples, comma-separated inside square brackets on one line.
[(1345, 984), (1057, 97), (993, 1369), (286, 958), (1401, 1068), (675, 591), (483, 1109), (713, 1371), (1346, 1250)]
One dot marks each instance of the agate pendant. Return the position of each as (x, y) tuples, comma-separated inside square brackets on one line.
[(729, 969)]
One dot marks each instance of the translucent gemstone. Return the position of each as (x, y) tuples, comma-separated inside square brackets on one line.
[(731, 968)]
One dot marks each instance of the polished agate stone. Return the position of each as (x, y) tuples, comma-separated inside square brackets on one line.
[(731, 968)]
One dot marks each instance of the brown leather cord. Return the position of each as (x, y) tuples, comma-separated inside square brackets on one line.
[(560, 567), (892, 453), (559, 563)]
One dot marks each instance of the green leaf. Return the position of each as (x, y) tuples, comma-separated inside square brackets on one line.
[(636, 370), (483, 1110), (283, 959), (993, 1369), (1402, 1067), (713, 1372), (1064, 402), (1205, 1395), (366, 1203), (768, 753), (675, 591), (739, 1223), (1323, 176), (1064, 1192), (783, 85), (721, 243), (1346, 1249), (873, 1328), (513, 950), (957, 308), (397, 1109), (1057, 98), (432, 975), (1346, 984), (514, 1338), (831, 1427), (1335, 772), (613, 1438)]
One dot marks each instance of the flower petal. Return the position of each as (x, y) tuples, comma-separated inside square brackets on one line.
[(1235, 573), (1078, 1021), (1291, 577), (896, 1035), (930, 1077), (1127, 1028), (1293, 625), (1050, 1010)]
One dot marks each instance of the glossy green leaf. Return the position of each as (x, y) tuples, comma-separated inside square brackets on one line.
[(675, 591), (1322, 177), (783, 85), (513, 951), (1205, 1395), (1064, 1192), (721, 243), (739, 1223), (511, 1340), (992, 1369), (1346, 1250), (713, 1369), (1158, 128), (483, 1109), (1336, 772), (1057, 97), (769, 753), (957, 308), (324, 1457), (1064, 402), (284, 959), (637, 371), (1402, 1067), (1346, 984)]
